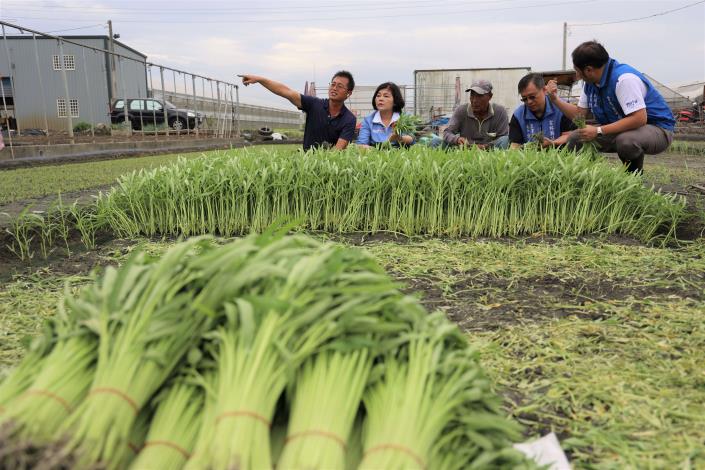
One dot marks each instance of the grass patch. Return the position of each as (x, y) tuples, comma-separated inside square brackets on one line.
[(685, 147), (601, 343), (25, 183), (625, 391), (24, 304), (667, 175)]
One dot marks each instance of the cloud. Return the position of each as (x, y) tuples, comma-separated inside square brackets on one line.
[(300, 50), (214, 52)]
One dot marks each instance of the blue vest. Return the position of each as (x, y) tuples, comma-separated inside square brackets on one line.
[(549, 124), (604, 105)]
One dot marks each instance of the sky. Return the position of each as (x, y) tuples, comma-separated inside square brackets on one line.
[(294, 42)]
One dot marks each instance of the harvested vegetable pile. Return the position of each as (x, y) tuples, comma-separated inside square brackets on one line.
[(270, 351), (413, 191)]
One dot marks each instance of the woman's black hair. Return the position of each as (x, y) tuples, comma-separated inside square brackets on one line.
[(396, 96)]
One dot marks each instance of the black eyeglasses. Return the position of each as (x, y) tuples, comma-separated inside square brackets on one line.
[(338, 85), (524, 99)]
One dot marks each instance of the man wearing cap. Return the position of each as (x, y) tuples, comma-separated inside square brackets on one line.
[(537, 116), (479, 123)]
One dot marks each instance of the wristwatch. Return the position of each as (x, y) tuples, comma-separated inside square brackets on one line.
[(599, 130)]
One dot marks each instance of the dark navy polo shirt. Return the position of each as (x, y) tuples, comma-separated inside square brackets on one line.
[(320, 127)]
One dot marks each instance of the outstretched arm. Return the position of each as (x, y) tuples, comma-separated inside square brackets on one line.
[(275, 87)]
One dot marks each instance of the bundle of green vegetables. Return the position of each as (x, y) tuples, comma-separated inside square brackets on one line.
[(407, 124), (590, 148), (269, 351)]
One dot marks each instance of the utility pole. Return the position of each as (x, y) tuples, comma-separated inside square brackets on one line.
[(111, 48), (565, 42)]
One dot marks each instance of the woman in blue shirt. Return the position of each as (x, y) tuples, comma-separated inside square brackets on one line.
[(378, 127)]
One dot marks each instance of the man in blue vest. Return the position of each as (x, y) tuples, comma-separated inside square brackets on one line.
[(633, 118), (537, 119)]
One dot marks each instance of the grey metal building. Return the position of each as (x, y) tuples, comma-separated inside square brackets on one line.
[(35, 93)]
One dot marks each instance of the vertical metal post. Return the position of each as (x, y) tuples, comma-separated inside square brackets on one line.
[(205, 105), (41, 87), (12, 88), (231, 113), (195, 104), (565, 42), (69, 120), (177, 105), (142, 104), (227, 125), (237, 111), (188, 126), (111, 47), (215, 114), (154, 109), (166, 116), (124, 95), (7, 119), (217, 89), (2, 89), (88, 92), (225, 108)]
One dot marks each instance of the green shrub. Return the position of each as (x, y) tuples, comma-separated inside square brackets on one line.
[(82, 127)]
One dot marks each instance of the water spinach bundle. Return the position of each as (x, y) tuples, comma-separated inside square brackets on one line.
[(271, 351)]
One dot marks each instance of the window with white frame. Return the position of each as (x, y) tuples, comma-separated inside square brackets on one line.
[(69, 62), (61, 107), (73, 104)]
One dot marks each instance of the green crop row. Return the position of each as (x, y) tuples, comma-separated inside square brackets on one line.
[(416, 191)]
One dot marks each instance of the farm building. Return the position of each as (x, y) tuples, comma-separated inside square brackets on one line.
[(33, 81)]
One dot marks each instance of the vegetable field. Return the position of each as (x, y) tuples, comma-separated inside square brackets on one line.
[(431, 309)]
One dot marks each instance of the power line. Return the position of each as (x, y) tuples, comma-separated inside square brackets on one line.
[(641, 18), (262, 9), (332, 18), (74, 29)]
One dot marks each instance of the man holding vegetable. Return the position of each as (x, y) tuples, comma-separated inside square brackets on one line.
[(479, 123), (328, 122), (632, 117)]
